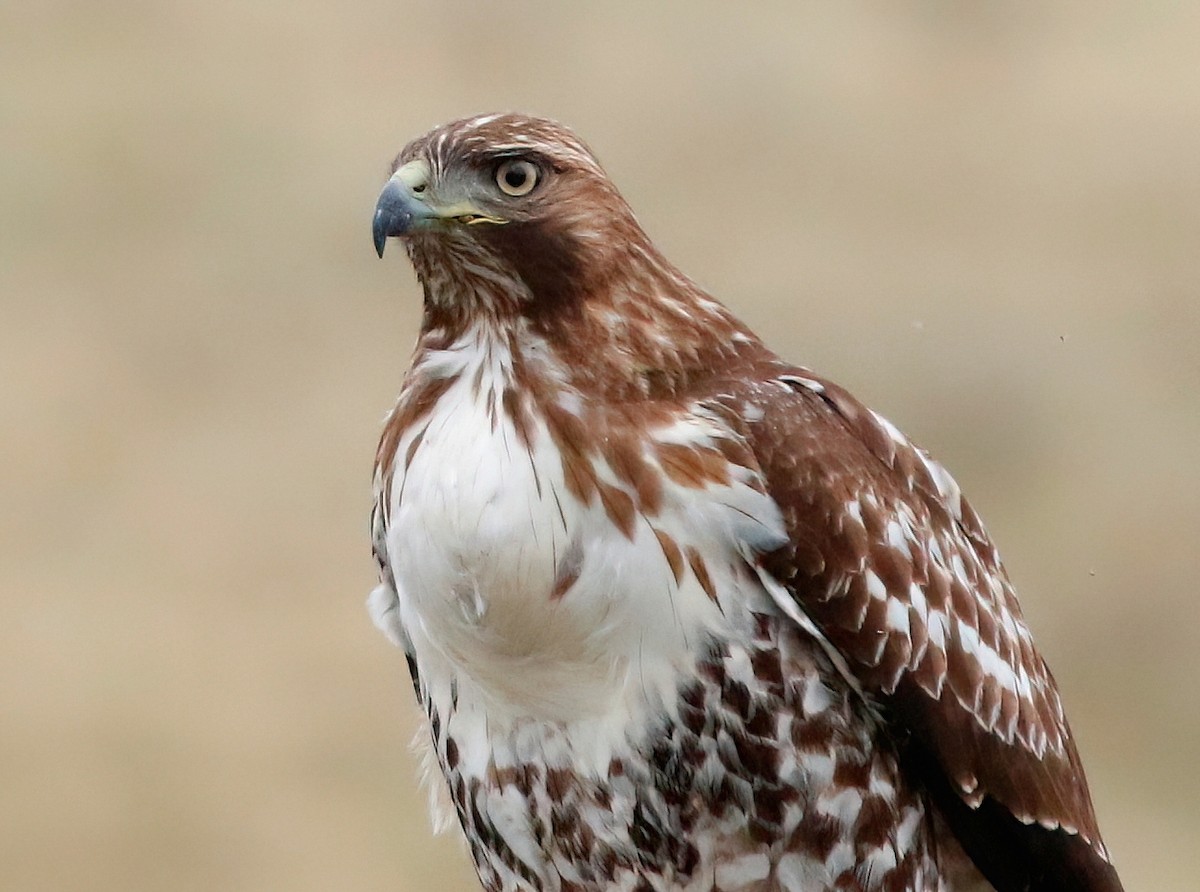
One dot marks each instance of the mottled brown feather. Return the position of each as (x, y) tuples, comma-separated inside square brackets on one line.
[(829, 434)]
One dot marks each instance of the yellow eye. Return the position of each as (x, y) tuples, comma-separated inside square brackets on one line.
[(516, 176)]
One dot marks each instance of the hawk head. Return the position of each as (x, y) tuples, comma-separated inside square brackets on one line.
[(510, 221), (518, 196)]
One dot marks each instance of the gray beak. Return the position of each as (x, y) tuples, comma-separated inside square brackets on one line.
[(395, 213)]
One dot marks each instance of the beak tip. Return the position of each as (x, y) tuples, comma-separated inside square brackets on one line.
[(379, 233)]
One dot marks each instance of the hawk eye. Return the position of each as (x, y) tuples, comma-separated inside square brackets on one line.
[(516, 176)]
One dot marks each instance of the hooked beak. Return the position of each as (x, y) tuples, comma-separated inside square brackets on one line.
[(395, 213), (400, 207), (404, 206)]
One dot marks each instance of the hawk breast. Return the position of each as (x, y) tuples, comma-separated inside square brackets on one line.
[(543, 596)]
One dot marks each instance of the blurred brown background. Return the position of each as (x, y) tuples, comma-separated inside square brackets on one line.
[(982, 219)]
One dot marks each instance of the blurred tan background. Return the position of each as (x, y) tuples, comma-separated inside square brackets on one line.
[(984, 220)]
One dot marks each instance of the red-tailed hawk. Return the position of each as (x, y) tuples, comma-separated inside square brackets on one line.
[(683, 615)]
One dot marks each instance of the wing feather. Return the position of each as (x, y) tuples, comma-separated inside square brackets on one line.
[(896, 570)]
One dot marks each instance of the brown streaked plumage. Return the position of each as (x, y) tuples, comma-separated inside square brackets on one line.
[(682, 615)]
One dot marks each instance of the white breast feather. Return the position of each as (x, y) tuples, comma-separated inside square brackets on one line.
[(478, 528)]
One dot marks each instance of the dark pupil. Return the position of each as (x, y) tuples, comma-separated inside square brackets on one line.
[(515, 177)]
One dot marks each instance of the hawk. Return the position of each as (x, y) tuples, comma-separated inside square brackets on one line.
[(682, 615)]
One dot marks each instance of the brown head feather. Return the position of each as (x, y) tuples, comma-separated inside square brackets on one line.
[(571, 261)]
